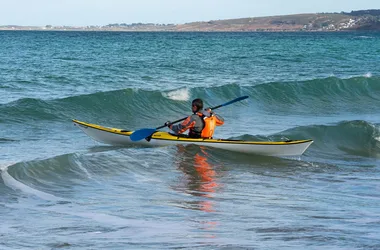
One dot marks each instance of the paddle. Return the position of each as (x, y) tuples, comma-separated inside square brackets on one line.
[(146, 132)]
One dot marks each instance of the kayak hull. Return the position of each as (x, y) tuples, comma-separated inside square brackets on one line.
[(119, 137)]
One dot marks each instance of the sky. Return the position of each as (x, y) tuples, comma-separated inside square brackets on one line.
[(103, 12)]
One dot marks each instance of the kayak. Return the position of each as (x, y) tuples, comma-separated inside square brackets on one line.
[(121, 137)]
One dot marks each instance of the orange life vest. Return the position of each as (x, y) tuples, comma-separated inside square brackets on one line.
[(209, 128)]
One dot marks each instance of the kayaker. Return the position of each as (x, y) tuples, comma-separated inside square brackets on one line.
[(201, 124)]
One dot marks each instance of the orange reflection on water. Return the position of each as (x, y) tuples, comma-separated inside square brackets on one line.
[(206, 173), (200, 175)]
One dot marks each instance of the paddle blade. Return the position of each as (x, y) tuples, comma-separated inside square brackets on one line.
[(142, 133)]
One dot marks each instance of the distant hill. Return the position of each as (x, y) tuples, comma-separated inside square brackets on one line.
[(355, 20), (344, 21), (363, 12)]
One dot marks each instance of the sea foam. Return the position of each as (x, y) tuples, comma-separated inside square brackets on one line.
[(182, 94), (14, 184)]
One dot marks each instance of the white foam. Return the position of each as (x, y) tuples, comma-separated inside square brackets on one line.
[(178, 94), (368, 75), (14, 184), (114, 220), (81, 167), (4, 166)]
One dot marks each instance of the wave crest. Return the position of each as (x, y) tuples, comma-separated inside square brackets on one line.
[(321, 96)]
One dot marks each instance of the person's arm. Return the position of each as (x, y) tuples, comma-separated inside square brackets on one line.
[(219, 120), (182, 127)]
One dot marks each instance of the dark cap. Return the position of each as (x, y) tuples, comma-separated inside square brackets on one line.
[(197, 103)]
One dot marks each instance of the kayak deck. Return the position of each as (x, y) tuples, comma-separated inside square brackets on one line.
[(120, 137)]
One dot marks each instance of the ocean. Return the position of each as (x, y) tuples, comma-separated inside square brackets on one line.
[(59, 189)]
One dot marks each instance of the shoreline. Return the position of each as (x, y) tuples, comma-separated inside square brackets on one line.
[(190, 31)]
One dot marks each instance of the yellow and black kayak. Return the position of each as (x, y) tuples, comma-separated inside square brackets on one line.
[(121, 137)]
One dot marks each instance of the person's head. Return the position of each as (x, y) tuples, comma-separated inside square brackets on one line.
[(197, 105)]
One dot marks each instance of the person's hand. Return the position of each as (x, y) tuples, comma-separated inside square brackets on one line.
[(210, 111), (207, 112), (167, 124)]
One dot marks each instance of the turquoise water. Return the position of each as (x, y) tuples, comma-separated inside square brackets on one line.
[(60, 189)]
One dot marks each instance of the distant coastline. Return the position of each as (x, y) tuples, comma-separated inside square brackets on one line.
[(344, 21)]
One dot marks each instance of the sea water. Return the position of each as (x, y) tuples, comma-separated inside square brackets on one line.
[(59, 189)]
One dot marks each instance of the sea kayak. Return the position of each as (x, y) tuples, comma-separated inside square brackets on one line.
[(121, 137)]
